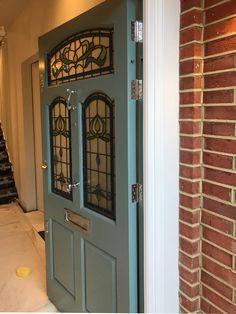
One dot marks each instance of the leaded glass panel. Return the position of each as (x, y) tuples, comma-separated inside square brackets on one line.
[(60, 145), (83, 55), (98, 141)]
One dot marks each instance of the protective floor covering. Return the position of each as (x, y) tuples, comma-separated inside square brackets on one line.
[(21, 245)]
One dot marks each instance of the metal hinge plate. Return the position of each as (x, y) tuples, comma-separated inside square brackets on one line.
[(137, 89), (137, 193), (46, 226), (137, 31)]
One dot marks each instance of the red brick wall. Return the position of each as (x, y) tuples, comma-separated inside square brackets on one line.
[(208, 156)]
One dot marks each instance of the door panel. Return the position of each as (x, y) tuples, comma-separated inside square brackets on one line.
[(100, 281), (63, 251), (91, 270)]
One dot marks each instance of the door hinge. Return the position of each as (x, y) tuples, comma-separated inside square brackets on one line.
[(137, 89), (137, 31), (46, 226), (137, 193)]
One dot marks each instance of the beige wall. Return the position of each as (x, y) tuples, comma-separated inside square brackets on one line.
[(37, 18)]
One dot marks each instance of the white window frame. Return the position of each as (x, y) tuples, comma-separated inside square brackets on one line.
[(161, 155)]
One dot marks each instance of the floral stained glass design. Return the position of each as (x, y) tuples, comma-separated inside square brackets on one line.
[(83, 55), (98, 137), (60, 140)]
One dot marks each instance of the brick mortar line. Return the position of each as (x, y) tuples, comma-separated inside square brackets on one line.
[(189, 194), (184, 309), (218, 215), (190, 120), (190, 150), (228, 17), (190, 136), (192, 58), (191, 26), (219, 248), (189, 180), (190, 90), (192, 241), (190, 299), (191, 42), (190, 165), (215, 306), (220, 137), (220, 185), (223, 104), (189, 225), (190, 210), (219, 71), (228, 235), (192, 256), (219, 200), (206, 41), (218, 153), (220, 54), (190, 9), (192, 271), (193, 135), (233, 171), (218, 263), (218, 293), (195, 74), (230, 53), (190, 105), (219, 120), (215, 5), (219, 279), (189, 284), (226, 88), (181, 91)]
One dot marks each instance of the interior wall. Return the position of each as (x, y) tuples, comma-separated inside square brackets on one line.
[(37, 18)]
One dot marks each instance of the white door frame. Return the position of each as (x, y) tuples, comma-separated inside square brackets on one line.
[(161, 155)]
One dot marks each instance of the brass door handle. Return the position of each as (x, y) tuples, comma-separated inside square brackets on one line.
[(44, 165)]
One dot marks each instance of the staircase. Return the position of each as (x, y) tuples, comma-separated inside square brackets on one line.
[(8, 191)]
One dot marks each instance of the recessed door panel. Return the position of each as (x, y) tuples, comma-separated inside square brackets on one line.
[(63, 251), (100, 280)]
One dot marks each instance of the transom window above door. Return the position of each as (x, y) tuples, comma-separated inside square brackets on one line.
[(83, 55)]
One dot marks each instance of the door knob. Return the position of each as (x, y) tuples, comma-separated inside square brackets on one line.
[(44, 165), (71, 186)]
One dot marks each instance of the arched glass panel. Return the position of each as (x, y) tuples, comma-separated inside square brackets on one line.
[(60, 146), (83, 55), (98, 140)]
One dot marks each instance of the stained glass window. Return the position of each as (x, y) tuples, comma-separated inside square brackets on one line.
[(98, 140), (83, 55), (60, 145)]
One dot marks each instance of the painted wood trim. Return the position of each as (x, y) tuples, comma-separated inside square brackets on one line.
[(161, 157)]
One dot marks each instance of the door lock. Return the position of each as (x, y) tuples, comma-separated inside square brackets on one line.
[(71, 186), (44, 165)]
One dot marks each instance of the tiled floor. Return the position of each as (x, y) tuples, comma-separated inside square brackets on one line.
[(21, 245)]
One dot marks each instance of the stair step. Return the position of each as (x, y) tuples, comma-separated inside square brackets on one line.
[(3, 156), (10, 192), (8, 199), (2, 145), (5, 166), (6, 181)]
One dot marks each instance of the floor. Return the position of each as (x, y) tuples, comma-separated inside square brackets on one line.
[(21, 245)]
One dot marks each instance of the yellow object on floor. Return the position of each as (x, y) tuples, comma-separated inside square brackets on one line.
[(23, 272)]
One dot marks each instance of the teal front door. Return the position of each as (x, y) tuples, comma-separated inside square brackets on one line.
[(89, 153)]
